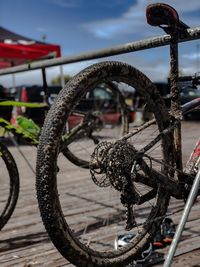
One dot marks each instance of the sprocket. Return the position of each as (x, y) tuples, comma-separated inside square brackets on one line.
[(98, 164), (121, 159), (111, 163)]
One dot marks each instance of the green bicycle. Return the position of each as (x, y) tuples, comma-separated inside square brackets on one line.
[(86, 127)]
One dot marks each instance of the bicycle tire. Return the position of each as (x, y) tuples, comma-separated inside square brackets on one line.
[(71, 155), (46, 168), (11, 201)]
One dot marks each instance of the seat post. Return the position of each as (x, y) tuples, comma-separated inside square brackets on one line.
[(175, 94), (167, 18)]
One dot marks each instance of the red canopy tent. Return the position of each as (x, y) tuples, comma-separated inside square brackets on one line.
[(16, 49)]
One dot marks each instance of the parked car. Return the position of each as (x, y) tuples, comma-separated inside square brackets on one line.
[(34, 94), (5, 94), (188, 93), (101, 100)]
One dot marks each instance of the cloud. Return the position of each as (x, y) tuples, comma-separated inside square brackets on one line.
[(41, 29), (70, 69), (191, 56), (110, 3), (67, 3), (133, 20), (113, 26)]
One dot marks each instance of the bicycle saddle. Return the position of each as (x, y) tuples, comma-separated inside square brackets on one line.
[(164, 16)]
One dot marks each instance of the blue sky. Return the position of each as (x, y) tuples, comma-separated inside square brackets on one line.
[(85, 25)]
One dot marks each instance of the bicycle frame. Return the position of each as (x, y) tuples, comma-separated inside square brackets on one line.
[(176, 188)]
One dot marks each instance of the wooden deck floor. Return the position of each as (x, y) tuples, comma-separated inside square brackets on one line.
[(24, 242)]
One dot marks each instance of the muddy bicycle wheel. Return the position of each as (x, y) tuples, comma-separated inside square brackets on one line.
[(83, 215), (105, 114), (9, 184)]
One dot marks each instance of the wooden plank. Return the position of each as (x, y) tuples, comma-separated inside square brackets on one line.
[(24, 241)]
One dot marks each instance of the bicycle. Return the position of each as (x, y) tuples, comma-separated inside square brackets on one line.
[(9, 179), (143, 167), (87, 123), (88, 126)]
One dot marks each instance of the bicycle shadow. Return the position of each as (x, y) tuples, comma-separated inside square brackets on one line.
[(23, 241)]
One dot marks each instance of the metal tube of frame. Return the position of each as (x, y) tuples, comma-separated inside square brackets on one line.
[(190, 34), (188, 206), (175, 94), (190, 105), (175, 109), (45, 86)]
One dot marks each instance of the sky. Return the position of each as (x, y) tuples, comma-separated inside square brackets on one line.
[(85, 25)]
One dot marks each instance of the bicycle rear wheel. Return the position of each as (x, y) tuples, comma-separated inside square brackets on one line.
[(9, 182), (107, 115), (82, 219)]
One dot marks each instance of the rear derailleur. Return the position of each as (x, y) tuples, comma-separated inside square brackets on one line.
[(116, 165)]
